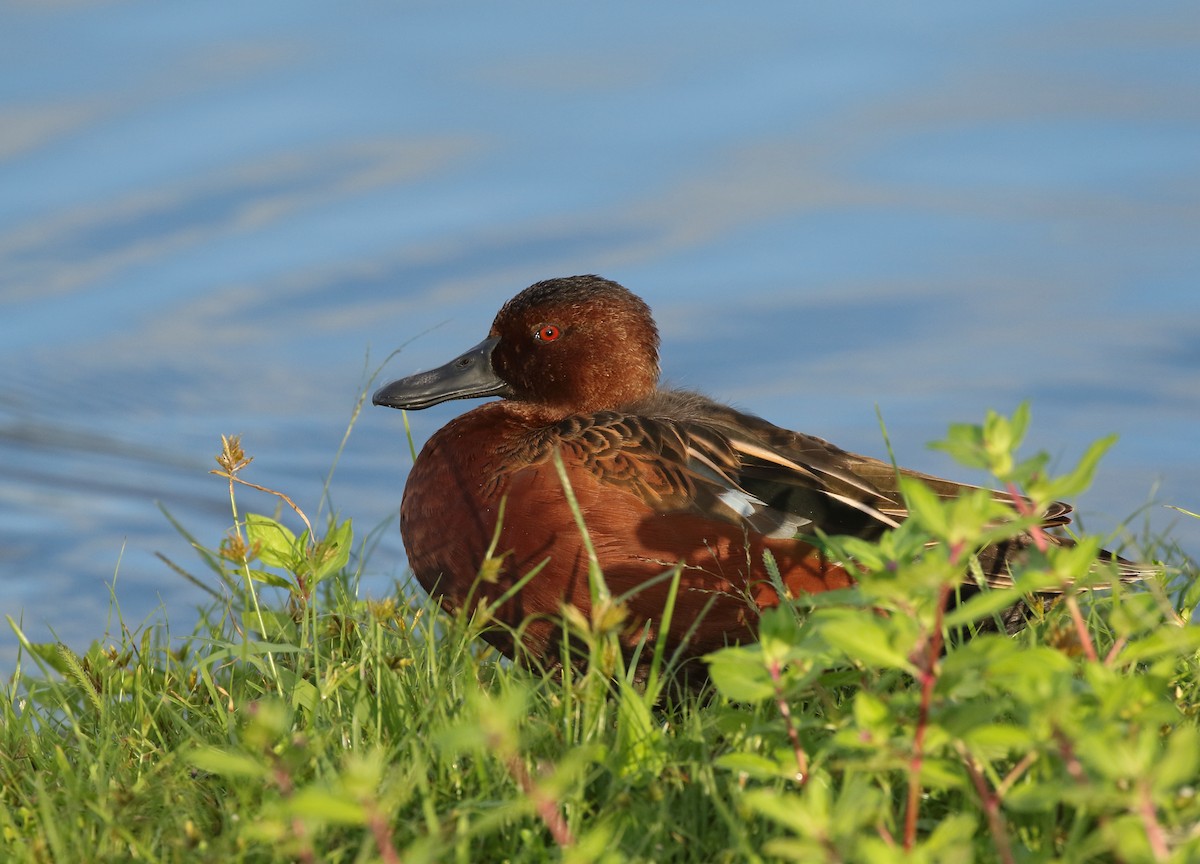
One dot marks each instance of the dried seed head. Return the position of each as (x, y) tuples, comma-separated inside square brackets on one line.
[(232, 457)]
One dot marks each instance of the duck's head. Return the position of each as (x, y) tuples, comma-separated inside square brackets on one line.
[(567, 346)]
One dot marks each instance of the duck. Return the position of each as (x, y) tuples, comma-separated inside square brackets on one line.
[(665, 480)]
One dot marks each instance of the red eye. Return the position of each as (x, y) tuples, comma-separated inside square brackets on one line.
[(547, 333)]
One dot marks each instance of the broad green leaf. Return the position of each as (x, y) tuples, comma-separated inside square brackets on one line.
[(964, 443), (982, 605), (862, 637), (870, 711), (463, 738), (272, 579), (1181, 763), (1070, 485), (778, 633), (865, 553), (1124, 839), (754, 765), (807, 815), (332, 553), (951, 840), (1168, 640), (226, 764), (276, 543), (739, 674), (1028, 470), (997, 740), (1002, 436), (925, 507), (943, 774), (321, 805)]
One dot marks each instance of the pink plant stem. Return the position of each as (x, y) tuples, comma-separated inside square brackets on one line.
[(991, 807), (1085, 638), (786, 711), (928, 680), (283, 780), (1024, 508), (1039, 539), (1070, 760), (546, 806), (1154, 831), (1111, 656), (382, 832)]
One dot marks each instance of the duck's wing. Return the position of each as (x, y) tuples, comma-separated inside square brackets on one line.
[(686, 463), (669, 467), (763, 446), (685, 453), (769, 452)]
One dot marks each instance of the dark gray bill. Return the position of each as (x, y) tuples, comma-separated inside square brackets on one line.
[(468, 376)]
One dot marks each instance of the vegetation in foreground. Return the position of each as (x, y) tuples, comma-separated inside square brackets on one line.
[(301, 723)]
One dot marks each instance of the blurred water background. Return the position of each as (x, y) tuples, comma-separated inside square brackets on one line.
[(221, 217)]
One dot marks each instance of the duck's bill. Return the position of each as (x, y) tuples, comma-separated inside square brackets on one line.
[(468, 376)]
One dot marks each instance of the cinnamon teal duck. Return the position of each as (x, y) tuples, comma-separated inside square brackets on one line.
[(662, 478)]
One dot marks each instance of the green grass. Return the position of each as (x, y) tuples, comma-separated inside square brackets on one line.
[(298, 723)]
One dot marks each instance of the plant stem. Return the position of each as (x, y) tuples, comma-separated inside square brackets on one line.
[(928, 680), (545, 805), (1154, 831), (786, 711), (990, 802)]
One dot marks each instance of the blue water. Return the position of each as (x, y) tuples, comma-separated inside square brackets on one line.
[(214, 217)]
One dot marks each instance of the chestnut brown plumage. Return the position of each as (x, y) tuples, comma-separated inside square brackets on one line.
[(662, 478)]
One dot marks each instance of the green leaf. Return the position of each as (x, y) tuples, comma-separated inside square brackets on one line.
[(982, 605), (865, 553), (1169, 639), (1180, 765), (1034, 676), (951, 841), (870, 712), (778, 633), (756, 766), (993, 445), (1125, 840), (270, 578), (739, 674), (862, 637), (806, 815), (1002, 436), (1070, 485), (226, 764), (276, 543), (332, 553), (461, 738), (942, 774), (321, 805), (925, 507), (991, 600), (996, 740), (1019, 425), (964, 443)]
